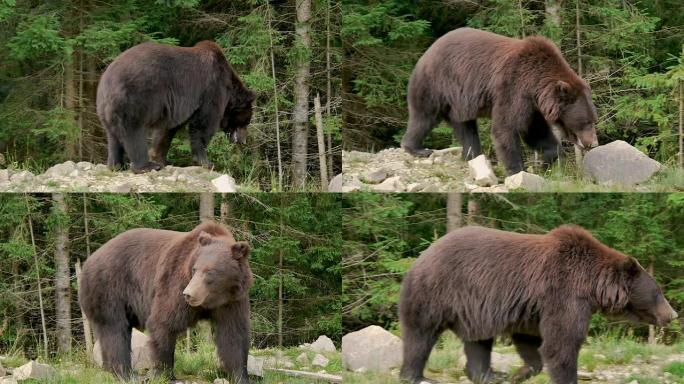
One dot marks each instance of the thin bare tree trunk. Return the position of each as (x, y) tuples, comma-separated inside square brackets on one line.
[(275, 102), (225, 210), (207, 206), (87, 333), (454, 211), (280, 276), (522, 19), (681, 120), (580, 72), (329, 85), (40, 291), (651, 328), (300, 135), (321, 144), (62, 275), (473, 208)]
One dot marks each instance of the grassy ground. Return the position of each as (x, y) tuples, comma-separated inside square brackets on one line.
[(602, 360), (199, 366)]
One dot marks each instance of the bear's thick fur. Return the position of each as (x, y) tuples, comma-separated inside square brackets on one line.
[(165, 281), (540, 289), (525, 86), (159, 88)]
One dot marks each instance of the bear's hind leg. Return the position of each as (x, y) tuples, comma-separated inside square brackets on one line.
[(115, 152), (419, 125), (478, 356), (115, 343), (135, 144), (161, 142), (467, 135), (528, 349), (417, 346)]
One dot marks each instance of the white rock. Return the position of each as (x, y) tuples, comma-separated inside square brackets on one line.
[(4, 176), (389, 185), (319, 361), (141, 352), (525, 180), (619, 163), (34, 370), (323, 344), (373, 348), (374, 177), (481, 170), (84, 165), (2, 371), (221, 381), (303, 359), (21, 176), (336, 183), (8, 380), (61, 170), (255, 366), (505, 362), (224, 184)]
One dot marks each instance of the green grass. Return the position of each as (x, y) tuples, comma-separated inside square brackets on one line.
[(675, 369), (200, 365)]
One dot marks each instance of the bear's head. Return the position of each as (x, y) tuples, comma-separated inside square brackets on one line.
[(570, 111), (642, 301), (237, 117), (220, 274)]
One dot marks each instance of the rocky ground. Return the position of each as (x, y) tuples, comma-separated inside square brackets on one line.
[(616, 166), (373, 355), (88, 177)]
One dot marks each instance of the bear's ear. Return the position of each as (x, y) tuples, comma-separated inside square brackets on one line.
[(564, 91), (631, 267), (204, 238), (240, 250)]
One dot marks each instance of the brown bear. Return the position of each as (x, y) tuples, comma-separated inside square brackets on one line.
[(165, 281), (159, 88), (525, 86), (540, 289)]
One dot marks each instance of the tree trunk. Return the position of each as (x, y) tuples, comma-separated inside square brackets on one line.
[(206, 208), (300, 135), (473, 208), (553, 19), (86, 324), (454, 211), (40, 291), (681, 119), (651, 328), (62, 275), (328, 76), (321, 144), (225, 210), (275, 102), (580, 72), (71, 101)]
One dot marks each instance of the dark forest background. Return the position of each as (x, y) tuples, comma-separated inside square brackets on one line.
[(53, 53), (629, 51), (296, 252), (384, 233)]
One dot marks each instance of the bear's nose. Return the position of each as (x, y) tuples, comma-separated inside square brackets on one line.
[(674, 315)]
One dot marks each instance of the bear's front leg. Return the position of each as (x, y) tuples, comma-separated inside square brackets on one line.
[(507, 123), (231, 324), (563, 334), (203, 124)]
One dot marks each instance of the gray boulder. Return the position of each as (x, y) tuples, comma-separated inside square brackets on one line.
[(525, 180), (323, 344), (320, 361), (619, 163), (336, 183), (481, 170), (255, 365), (34, 370), (61, 170), (372, 349)]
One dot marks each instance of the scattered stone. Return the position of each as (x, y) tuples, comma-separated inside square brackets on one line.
[(352, 185), (224, 184), (34, 370), (60, 170), (303, 359), (374, 177), (505, 362), (583, 375), (221, 381), (619, 163), (84, 165), (319, 361), (481, 170), (141, 352), (123, 188), (526, 181), (8, 380), (287, 364), (373, 348), (323, 344), (336, 183), (255, 366), (2, 371), (4, 175), (21, 176), (389, 185)]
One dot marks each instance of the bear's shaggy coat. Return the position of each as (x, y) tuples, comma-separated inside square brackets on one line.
[(525, 86), (540, 289), (160, 87), (137, 280)]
